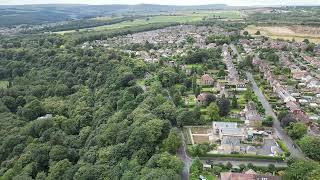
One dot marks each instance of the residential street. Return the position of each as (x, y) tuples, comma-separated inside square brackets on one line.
[(187, 161), (276, 124)]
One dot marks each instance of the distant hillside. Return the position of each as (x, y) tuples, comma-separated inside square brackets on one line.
[(39, 14)]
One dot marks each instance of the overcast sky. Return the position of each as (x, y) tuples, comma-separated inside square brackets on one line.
[(168, 2)]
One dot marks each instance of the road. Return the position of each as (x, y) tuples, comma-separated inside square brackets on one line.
[(276, 123), (187, 161)]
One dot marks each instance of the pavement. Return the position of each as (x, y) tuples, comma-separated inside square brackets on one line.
[(187, 161), (281, 134)]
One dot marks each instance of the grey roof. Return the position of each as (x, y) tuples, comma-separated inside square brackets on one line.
[(225, 124), (231, 130), (231, 141), (251, 148)]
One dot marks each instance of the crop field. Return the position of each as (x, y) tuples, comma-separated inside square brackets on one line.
[(182, 17), (299, 33)]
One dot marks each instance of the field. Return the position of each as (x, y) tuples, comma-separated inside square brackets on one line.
[(299, 33), (4, 84), (182, 17)]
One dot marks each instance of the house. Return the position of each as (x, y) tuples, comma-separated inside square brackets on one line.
[(251, 150), (229, 145), (47, 116), (251, 114), (241, 86), (201, 99), (248, 175), (229, 129), (207, 80)]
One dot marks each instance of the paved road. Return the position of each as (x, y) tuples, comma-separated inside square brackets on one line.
[(276, 124), (187, 161)]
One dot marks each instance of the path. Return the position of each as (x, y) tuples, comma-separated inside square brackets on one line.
[(187, 161), (276, 123)]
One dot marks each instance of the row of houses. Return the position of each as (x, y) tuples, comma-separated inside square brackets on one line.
[(283, 93), (233, 75)]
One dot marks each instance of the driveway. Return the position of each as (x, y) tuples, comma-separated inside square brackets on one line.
[(276, 124)]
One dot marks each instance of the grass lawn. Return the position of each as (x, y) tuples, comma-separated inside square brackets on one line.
[(4, 84), (193, 65), (208, 177), (206, 89)]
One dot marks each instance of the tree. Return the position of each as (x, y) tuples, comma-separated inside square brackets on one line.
[(213, 112), (306, 41), (300, 169), (297, 130), (57, 171), (234, 102), (197, 112), (271, 168), (196, 168), (173, 142), (224, 106), (257, 33), (268, 121), (246, 33), (216, 170), (209, 99), (190, 39), (229, 165), (282, 114), (287, 120), (221, 73), (272, 57), (185, 117), (310, 47), (310, 146)]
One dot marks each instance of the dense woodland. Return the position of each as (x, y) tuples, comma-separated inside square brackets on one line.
[(104, 126)]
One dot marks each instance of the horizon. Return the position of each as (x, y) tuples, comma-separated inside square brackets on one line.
[(164, 2)]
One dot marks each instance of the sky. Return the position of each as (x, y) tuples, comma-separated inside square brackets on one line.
[(167, 2)]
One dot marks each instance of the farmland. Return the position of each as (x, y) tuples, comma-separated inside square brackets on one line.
[(181, 17), (299, 33)]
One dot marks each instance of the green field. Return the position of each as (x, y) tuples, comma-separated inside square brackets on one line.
[(4, 84), (183, 17)]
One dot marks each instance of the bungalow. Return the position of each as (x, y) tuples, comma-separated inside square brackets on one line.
[(251, 150), (251, 115), (248, 175), (227, 129), (229, 145), (206, 79)]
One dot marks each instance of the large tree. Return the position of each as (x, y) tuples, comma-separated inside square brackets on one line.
[(310, 146)]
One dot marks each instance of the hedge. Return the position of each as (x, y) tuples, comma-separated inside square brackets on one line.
[(245, 156)]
